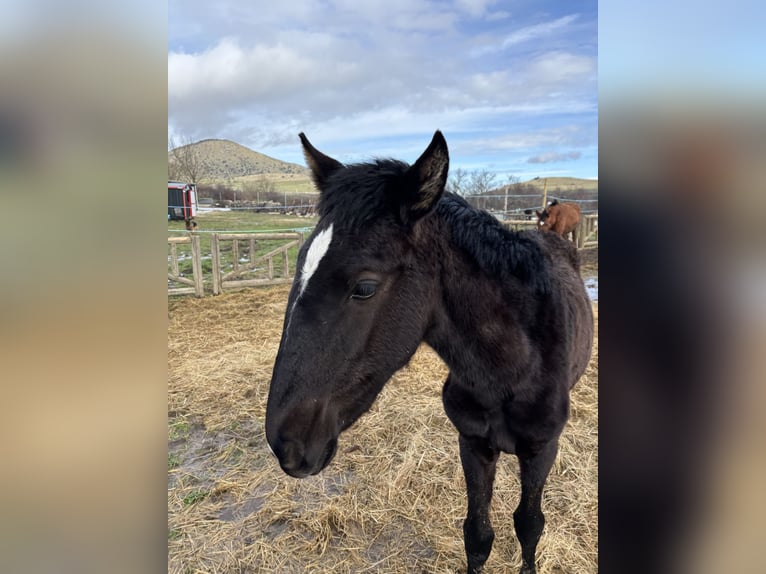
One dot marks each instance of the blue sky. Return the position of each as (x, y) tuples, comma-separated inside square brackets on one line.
[(512, 84)]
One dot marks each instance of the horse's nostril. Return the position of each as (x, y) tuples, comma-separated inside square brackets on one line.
[(291, 455)]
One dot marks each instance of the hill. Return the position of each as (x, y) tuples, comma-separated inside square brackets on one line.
[(222, 160), (564, 183)]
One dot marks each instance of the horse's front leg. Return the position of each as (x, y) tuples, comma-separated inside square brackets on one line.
[(479, 462), (528, 518)]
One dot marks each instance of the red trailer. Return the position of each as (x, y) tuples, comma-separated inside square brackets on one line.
[(182, 200)]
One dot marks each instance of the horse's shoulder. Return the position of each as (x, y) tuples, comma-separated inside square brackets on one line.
[(560, 249)]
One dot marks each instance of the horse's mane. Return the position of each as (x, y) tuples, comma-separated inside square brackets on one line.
[(361, 193), (498, 251)]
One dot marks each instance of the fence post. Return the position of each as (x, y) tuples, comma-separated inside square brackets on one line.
[(199, 289), (174, 260), (216, 261), (285, 264)]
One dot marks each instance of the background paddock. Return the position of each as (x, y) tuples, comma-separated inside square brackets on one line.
[(392, 500)]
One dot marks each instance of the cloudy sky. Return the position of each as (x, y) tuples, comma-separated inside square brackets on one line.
[(512, 84)]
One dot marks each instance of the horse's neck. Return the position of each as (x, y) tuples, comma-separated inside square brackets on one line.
[(459, 307)]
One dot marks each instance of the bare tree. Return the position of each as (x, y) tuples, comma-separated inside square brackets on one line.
[(184, 162), (458, 181), (481, 182), (174, 167)]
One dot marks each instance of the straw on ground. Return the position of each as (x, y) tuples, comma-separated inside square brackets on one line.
[(392, 500)]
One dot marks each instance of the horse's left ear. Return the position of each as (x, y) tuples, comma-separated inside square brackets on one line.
[(321, 165), (426, 179)]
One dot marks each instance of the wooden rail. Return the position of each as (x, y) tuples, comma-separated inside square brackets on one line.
[(195, 285), (520, 224), (224, 279)]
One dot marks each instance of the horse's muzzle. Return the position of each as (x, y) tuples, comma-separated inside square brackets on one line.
[(300, 460)]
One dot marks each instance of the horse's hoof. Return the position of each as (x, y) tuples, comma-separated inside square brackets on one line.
[(528, 570)]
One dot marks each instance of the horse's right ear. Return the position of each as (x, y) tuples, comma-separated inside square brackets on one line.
[(321, 165), (539, 215), (427, 178)]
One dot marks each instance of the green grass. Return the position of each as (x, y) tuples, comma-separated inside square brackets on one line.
[(173, 461), (174, 534), (178, 428), (242, 221), (194, 497)]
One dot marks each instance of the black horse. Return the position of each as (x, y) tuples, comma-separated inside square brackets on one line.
[(395, 261)]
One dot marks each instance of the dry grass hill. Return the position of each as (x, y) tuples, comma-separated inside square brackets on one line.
[(222, 160), (564, 183)]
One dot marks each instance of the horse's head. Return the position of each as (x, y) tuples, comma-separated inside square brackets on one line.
[(360, 302), (544, 221), (547, 217)]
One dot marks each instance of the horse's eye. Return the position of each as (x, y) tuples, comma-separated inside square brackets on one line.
[(364, 289)]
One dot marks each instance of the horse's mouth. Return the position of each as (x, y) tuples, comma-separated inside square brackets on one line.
[(330, 450)]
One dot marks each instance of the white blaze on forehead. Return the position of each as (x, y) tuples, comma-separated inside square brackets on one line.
[(317, 250)]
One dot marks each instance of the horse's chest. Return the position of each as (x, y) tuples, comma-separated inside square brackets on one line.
[(504, 424), (501, 435)]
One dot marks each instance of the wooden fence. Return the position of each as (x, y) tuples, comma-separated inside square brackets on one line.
[(586, 234), (175, 276), (235, 261), (587, 231)]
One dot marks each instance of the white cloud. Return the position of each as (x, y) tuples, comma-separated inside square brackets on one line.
[(235, 74), (551, 157), (537, 31), (474, 8), (410, 15), (497, 16), (557, 67), (572, 135)]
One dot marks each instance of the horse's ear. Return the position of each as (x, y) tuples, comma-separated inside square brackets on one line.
[(537, 212), (426, 179), (321, 165)]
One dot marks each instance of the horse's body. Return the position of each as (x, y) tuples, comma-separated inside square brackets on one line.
[(561, 218), (393, 262)]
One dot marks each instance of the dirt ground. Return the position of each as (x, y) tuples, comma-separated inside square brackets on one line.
[(392, 500)]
